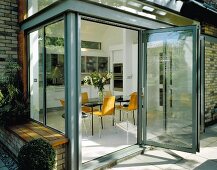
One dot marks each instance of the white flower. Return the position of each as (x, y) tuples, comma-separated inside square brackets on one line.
[(86, 78), (103, 80), (91, 81), (109, 75)]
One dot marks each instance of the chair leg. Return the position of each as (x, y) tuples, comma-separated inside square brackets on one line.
[(100, 130), (101, 123), (127, 121), (114, 122), (127, 129), (134, 118)]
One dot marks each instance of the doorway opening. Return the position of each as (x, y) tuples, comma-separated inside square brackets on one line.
[(108, 49)]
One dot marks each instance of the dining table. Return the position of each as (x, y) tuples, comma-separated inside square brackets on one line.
[(96, 102)]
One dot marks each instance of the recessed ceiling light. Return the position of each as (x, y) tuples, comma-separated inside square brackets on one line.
[(147, 8), (125, 8), (147, 15), (161, 13)]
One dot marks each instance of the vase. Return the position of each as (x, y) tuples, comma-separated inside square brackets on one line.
[(100, 94)]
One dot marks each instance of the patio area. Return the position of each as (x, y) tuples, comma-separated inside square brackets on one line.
[(158, 159)]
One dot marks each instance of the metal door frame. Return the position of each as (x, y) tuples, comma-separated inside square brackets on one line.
[(195, 87)]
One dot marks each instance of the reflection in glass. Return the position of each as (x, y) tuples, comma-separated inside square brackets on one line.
[(55, 89), (169, 87), (36, 5), (91, 64), (36, 75), (103, 64), (83, 64)]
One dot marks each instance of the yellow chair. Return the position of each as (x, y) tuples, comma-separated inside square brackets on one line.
[(132, 106), (108, 108), (85, 99), (62, 102)]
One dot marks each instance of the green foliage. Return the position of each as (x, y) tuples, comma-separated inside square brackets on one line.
[(55, 41), (13, 105), (36, 155), (97, 79)]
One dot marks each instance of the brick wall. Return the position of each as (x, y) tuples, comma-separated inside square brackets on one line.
[(9, 29), (209, 29), (210, 72)]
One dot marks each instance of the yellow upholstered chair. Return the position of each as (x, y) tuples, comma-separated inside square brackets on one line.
[(132, 106), (108, 108)]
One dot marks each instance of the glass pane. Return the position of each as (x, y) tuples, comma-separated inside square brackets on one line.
[(169, 88), (36, 5), (36, 75), (55, 89)]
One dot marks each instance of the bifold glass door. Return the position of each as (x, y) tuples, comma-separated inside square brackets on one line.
[(171, 119)]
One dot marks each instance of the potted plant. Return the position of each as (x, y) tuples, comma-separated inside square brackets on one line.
[(36, 154)]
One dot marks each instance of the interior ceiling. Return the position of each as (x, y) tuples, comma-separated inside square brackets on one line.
[(86, 27), (152, 9)]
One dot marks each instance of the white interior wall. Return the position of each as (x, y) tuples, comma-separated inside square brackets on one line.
[(130, 61), (112, 36), (34, 77)]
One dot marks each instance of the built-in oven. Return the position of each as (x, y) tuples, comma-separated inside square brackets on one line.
[(118, 68), (118, 76), (118, 83)]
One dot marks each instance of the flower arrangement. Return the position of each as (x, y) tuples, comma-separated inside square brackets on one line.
[(97, 80)]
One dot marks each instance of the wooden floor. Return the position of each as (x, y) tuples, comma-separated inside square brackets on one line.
[(33, 130)]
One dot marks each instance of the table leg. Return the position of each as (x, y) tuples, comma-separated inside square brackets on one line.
[(92, 121), (120, 112)]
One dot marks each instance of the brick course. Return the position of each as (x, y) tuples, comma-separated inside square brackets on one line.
[(9, 29)]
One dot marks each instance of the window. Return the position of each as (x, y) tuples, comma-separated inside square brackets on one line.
[(36, 5), (47, 75)]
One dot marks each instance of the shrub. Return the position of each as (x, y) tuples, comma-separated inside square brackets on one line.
[(36, 155), (14, 107)]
